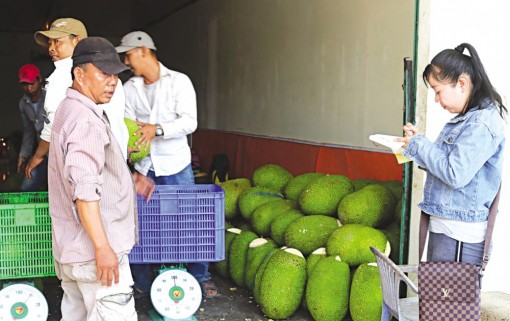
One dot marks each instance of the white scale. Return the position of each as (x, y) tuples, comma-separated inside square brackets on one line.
[(175, 295), (20, 301)]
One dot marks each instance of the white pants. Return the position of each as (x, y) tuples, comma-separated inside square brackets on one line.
[(86, 299)]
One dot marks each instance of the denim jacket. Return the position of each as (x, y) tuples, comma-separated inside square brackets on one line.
[(463, 165)]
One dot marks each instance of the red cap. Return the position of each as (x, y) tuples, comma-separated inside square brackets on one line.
[(28, 73)]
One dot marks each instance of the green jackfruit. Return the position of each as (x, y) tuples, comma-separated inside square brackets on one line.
[(282, 284), (221, 267), (133, 127), (352, 243), (397, 214), (322, 195), (392, 233), (362, 182), (253, 197), (308, 233), (366, 294), (237, 256), (260, 273), (372, 205), (279, 225), (266, 213), (313, 258), (257, 250), (271, 176), (327, 290), (233, 188), (296, 185), (395, 187)]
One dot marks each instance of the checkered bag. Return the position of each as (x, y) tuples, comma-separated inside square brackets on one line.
[(449, 291)]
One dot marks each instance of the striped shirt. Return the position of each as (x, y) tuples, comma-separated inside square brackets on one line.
[(86, 163)]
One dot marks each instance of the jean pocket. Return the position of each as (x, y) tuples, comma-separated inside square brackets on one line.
[(85, 272)]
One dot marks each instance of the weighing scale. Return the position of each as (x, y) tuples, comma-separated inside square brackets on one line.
[(22, 301), (175, 295)]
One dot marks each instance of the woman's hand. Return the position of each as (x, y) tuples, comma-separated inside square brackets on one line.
[(409, 132)]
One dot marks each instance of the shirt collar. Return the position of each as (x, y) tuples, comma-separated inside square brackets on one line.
[(75, 94), (63, 63)]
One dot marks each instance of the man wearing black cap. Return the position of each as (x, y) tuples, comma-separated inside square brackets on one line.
[(92, 204)]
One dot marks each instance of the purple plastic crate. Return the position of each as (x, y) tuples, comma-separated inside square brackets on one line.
[(180, 224)]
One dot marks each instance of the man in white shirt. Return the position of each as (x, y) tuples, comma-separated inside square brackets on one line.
[(163, 102), (61, 39)]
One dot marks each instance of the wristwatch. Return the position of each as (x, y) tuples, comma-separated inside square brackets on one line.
[(159, 130)]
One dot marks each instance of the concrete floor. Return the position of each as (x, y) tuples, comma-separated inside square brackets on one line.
[(235, 304)]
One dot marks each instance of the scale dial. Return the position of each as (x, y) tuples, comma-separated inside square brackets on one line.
[(22, 302), (176, 294)]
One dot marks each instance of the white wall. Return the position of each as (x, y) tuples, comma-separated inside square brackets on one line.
[(485, 25), (324, 71)]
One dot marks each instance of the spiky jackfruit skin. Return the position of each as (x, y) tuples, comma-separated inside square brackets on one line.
[(260, 273), (221, 267), (296, 185), (233, 188), (282, 285), (272, 176), (352, 243), (312, 260), (322, 196), (279, 225), (373, 205), (327, 290), (133, 127), (254, 258), (365, 303), (253, 197), (308, 233), (395, 187), (392, 233), (266, 213), (362, 182), (237, 256)]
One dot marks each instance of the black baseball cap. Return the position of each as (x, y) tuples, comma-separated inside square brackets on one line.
[(99, 52)]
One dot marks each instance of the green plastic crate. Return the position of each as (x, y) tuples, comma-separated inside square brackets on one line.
[(25, 236)]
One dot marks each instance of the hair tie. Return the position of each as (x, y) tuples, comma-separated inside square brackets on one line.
[(460, 48)]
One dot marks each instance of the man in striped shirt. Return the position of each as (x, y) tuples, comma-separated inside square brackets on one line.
[(92, 195)]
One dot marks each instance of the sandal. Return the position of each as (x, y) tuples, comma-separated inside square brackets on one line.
[(209, 289)]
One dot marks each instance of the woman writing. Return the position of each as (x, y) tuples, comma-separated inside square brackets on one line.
[(464, 164)]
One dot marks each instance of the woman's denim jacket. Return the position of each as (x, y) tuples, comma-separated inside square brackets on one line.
[(463, 165)]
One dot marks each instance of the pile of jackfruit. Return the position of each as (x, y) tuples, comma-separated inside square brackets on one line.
[(304, 241)]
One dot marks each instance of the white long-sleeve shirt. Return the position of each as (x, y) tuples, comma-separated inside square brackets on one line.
[(175, 109), (60, 80)]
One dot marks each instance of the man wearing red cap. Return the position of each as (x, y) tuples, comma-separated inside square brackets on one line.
[(31, 108)]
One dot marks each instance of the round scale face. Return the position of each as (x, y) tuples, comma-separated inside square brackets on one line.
[(176, 294), (22, 302)]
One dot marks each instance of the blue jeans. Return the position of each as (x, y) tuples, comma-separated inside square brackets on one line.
[(39, 179), (442, 248), (200, 270)]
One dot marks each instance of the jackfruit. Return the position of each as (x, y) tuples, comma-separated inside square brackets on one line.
[(260, 273), (266, 213), (322, 195), (327, 290), (365, 303), (132, 128), (221, 267), (279, 225), (296, 185), (397, 214), (392, 233), (237, 256), (313, 258), (352, 243), (308, 233), (362, 182), (257, 250), (271, 176), (395, 187), (282, 284), (373, 205), (253, 197), (233, 188)]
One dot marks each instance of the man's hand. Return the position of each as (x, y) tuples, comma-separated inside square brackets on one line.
[(143, 185), (22, 162), (147, 131), (32, 163), (107, 266)]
